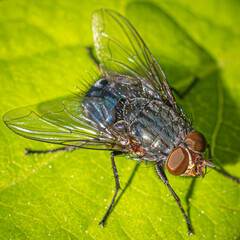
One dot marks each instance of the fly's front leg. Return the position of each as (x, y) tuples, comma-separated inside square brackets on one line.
[(162, 175), (115, 173), (183, 94), (225, 174), (67, 149), (220, 169)]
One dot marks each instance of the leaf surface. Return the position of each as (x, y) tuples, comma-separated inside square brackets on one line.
[(64, 195)]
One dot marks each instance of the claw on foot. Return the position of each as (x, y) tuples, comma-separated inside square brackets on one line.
[(27, 151), (102, 224)]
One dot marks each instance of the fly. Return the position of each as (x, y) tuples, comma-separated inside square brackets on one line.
[(130, 110)]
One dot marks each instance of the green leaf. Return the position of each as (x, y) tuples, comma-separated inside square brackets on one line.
[(65, 195)]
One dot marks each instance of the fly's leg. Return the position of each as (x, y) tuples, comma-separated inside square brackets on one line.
[(127, 184), (162, 175), (189, 88), (220, 169), (92, 56), (67, 149), (115, 173)]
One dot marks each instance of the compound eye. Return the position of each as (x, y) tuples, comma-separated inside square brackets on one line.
[(196, 141), (178, 161)]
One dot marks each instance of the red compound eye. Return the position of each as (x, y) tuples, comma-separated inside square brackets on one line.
[(196, 141), (178, 161)]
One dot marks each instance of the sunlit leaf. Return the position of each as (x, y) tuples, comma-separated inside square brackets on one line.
[(64, 195)]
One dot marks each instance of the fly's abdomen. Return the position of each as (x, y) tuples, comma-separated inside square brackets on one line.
[(104, 101), (100, 103)]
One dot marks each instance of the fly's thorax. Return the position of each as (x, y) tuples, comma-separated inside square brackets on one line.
[(154, 125)]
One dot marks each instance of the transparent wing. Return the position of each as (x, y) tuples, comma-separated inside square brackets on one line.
[(121, 50), (61, 122)]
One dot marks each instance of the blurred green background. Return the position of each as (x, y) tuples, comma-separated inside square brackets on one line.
[(64, 195)]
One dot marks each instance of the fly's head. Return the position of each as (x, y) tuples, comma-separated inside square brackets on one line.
[(189, 160)]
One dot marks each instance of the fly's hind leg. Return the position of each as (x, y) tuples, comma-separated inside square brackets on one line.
[(92, 56), (187, 90), (162, 175), (115, 173), (67, 149)]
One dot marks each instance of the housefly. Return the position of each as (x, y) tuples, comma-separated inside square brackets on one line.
[(130, 110)]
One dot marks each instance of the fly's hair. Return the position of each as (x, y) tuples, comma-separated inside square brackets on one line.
[(87, 82)]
